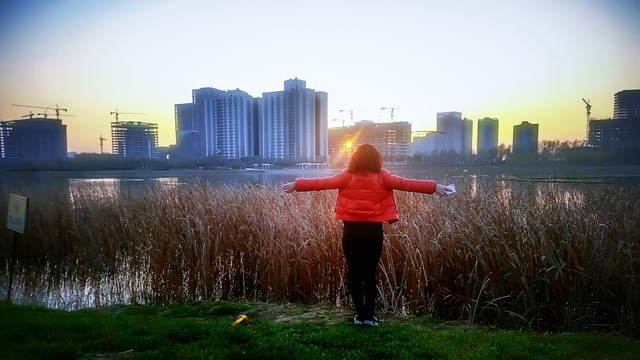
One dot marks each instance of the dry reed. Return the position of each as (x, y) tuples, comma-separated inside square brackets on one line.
[(530, 255)]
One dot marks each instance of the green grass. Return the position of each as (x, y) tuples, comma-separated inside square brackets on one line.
[(203, 331)]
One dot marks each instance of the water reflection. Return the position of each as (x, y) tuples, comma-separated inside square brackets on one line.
[(56, 286), (107, 187), (219, 177)]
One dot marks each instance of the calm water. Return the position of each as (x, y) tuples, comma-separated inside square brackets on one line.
[(31, 181)]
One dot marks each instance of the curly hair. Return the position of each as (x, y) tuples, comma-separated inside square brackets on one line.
[(365, 159)]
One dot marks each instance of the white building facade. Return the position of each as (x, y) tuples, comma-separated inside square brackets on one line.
[(289, 124), (217, 123), (293, 123)]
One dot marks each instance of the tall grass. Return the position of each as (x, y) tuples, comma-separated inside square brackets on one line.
[(527, 255)]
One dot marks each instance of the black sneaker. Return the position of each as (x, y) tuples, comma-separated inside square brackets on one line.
[(357, 320)]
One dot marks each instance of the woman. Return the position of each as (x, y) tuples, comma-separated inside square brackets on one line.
[(365, 201)]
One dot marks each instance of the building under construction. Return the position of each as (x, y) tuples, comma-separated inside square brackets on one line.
[(393, 140), (38, 139), (134, 139), (621, 131)]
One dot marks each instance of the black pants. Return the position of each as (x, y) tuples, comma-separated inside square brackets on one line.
[(362, 246)]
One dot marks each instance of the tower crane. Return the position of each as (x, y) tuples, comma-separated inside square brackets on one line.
[(339, 120), (101, 143), (45, 114), (588, 103), (29, 115), (389, 108), (57, 109), (116, 113), (350, 111)]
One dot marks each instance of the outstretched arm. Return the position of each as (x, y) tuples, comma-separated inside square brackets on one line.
[(289, 187), (399, 183), (326, 183), (422, 186), (441, 190)]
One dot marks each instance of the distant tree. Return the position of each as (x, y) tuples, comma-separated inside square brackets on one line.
[(555, 150), (417, 159), (398, 159), (492, 154), (584, 156), (579, 143), (451, 157), (503, 152)]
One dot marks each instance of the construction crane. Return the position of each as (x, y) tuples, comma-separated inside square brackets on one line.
[(339, 120), (389, 108), (57, 109), (58, 116), (588, 103), (128, 113), (423, 133), (101, 143), (350, 111), (29, 115)]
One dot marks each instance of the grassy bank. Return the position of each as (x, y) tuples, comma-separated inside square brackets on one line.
[(203, 331)]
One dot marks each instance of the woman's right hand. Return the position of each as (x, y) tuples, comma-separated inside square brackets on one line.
[(289, 187)]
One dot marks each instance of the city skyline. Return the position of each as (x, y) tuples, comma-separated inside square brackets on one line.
[(286, 124), (527, 61)]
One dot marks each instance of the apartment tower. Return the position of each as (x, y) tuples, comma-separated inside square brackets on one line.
[(487, 136), (293, 123)]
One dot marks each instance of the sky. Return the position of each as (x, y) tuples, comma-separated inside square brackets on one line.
[(526, 60)]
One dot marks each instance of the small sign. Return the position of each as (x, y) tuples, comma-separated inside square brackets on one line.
[(17, 216)]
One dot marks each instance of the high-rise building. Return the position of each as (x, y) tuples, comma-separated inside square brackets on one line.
[(38, 139), (607, 133), (322, 128), (466, 138), (428, 142), (290, 125), (451, 124), (487, 136), (223, 124), (459, 132), (239, 135), (623, 130), (189, 140), (626, 104), (134, 139), (206, 106), (220, 123), (525, 138)]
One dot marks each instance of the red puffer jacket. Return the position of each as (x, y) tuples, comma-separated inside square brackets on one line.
[(367, 198)]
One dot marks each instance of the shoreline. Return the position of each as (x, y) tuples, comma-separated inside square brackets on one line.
[(537, 172)]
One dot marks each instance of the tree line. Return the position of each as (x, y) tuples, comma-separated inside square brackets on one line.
[(572, 152)]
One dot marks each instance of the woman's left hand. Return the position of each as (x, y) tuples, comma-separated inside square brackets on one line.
[(442, 190)]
